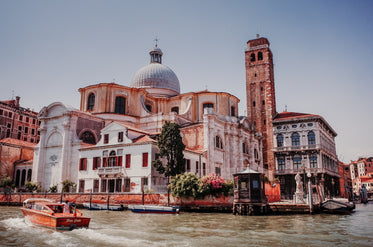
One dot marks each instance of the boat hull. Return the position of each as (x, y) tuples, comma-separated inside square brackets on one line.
[(152, 209), (99, 206), (55, 221), (337, 207)]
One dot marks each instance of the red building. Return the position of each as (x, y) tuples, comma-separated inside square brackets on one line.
[(17, 122)]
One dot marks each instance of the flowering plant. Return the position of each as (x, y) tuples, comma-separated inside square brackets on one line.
[(214, 184)]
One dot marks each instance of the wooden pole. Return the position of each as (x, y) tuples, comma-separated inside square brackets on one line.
[(90, 200), (108, 197)]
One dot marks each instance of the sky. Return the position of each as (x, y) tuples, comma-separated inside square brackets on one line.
[(322, 51)]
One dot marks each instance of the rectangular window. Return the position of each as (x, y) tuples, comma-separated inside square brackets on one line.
[(217, 171), (128, 160), (127, 185), (204, 169), (144, 183), (33, 121), (81, 186), (106, 138), (83, 164), (1, 112), (118, 185), (103, 185), (20, 117), (120, 136), (197, 167), (10, 114), (27, 119), (26, 130), (96, 184), (32, 131), (144, 159), (20, 128), (96, 163), (187, 165), (104, 162)]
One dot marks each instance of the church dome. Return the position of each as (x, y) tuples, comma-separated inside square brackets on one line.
[(157, 78)]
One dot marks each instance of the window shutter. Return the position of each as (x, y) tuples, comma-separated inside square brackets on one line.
[(120, 158)]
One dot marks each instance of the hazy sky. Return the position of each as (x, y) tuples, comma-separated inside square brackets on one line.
[(322, 53)]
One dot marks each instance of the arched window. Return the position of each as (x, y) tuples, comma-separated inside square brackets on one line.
[(91, 101), (295, 139), (297, 162), (149, 108), (256, 154), (280, 140), (112, 159), (23, 179), (18, 177), (260, 56), (281, 163), (252, 57), (120, 105), (313, 161), (245, 150), (218, 142), (175, 109), (208, 105), (29, 173), (311, 138), (88, 137)]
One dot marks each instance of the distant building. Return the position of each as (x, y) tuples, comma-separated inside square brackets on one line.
[(17, 122), (18, 135), (305, 144), (16, 160), (360, 170), (345, 181)]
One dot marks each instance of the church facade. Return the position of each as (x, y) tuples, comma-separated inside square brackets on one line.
[(110, 142)]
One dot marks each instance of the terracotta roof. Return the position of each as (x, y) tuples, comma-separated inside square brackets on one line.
[(18, 142), (144, 138), (289, 115)]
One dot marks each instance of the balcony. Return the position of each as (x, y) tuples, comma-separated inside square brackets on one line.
[(296, 148), (110, 171), (300, 170)]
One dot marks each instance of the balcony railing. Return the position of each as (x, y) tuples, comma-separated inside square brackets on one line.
[(300, 170), (296, 148), (110, 170)]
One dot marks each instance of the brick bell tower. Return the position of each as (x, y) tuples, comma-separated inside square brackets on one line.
[(260, 95)]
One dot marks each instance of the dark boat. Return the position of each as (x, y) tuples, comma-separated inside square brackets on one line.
[(337, 207), (103, 206), (154, 209)]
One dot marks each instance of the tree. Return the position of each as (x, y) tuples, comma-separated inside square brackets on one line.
[(171, 147)]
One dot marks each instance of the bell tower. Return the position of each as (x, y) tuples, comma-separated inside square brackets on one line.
[(260, 95)]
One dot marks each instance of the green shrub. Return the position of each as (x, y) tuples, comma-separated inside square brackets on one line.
[(30, 186), (185, 185), (6, 181), (53, 189)]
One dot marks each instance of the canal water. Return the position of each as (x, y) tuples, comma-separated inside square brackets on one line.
[(125, 228)]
